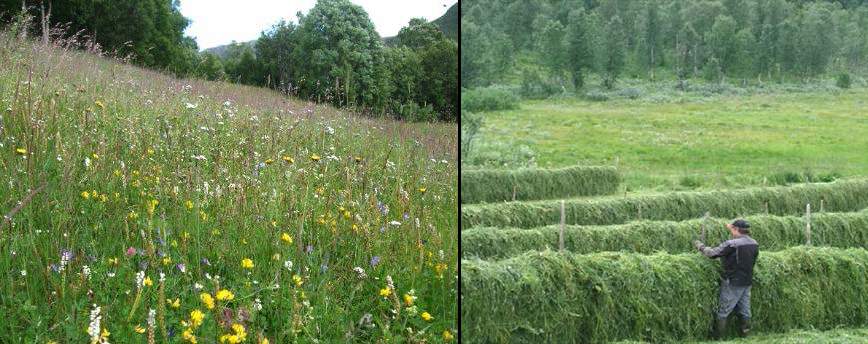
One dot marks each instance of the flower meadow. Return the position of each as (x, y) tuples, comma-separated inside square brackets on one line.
[(139, 208)]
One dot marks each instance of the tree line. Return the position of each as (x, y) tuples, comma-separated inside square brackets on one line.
[(766, 40), (332, 54)]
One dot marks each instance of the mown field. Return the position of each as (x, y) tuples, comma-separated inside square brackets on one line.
[(690, 142), (142, 208)]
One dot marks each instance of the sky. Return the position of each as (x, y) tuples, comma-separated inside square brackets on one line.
[(219, 22)]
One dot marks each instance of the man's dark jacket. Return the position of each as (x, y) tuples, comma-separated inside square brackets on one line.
[(738, 257)]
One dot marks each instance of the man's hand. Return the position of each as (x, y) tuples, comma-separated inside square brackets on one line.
[(698, 244)]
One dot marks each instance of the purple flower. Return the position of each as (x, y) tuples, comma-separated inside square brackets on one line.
[(406, 216), (308, 249), (55, 268), (382, 229), (375, 260), (384, 209), (181, 267), (205, 261)]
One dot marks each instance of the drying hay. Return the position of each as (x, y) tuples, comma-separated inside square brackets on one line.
[(772, 232), (838, 196), (570, 298), (533, 184)]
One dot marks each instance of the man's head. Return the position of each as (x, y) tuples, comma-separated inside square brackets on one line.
[(738, 227)]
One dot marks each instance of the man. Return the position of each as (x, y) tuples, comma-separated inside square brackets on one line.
[(738, 256)]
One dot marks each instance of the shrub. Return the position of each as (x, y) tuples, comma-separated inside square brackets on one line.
[(772, 232), (781, 200), (530, 184), (596, 96), (843, 80), (490, 98), (535, 86), (550, 297)]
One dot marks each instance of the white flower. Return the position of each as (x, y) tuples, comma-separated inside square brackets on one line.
[(94, 328), (140, 279), (23, 272), (394, 223), (151, 317), (86, 271), (87, 162), (288, 265), (227, 103), (330, 130), (257, 305), (192, 106), (197, 286), (361, 272)]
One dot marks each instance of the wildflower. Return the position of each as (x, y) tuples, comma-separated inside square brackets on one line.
[(181, 267), (288, 159), (196, 317), (308, 249), (152, 205), (86, 162), (207, 300), (93, 329), (275, 257), (21, 151), (131, 251), (247, 263), (409, 299), (189, 336), (439, 268), (375, 260), (422, 190), (257, 304), (174, 304), (360, 272), (314, 157), (358, 159), (85, 195), (147, 282), (139, 329), (385, 292), (133, 215), (447, 336), (286, 238), (288, 265), (85, 270), (225, 295), (269, 161), (426, 316), (188, 204), (297, 280), (99, 104), (394, 223), (167, 260), (264, 341)]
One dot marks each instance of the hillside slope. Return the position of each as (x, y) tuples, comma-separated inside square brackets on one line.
[(225, 211)]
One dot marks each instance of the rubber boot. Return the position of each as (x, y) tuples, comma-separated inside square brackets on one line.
[(745, 327), (719, 328)]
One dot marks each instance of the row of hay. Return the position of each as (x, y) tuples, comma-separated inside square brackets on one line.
[(772, 233), (534, 184), (836, 336), (782, 200), (550, 297)]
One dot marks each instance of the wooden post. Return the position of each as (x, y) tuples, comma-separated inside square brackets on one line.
[(808, 220), (822, 200), (640, 212), (513, 192), (563, 224), (767, 207)]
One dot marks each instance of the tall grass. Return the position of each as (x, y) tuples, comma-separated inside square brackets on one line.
[(489, 185), (186, 178)]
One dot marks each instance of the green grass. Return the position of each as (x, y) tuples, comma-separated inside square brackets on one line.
[(206, 175), (838, 336), (707, 143)]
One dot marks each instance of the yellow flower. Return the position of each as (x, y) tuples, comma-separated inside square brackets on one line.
[(167, 260), (21, 151), (103, 198), (113, 261), (139, 329), (196, 317), (188, 204), (264, 341), (152, 205), (203, 215), (408, 299), (225, 295), (99, 104), (422, 190), (207, 300), (314, 157), (447, 336), (85, 194), (288, 159), (286, 238), (133, 215), (150, 151), (269, 161), (426, 316), (174, 304), (297, 280), (189, 336), (95, 156), (247, 263), (148, 282), (440, 267), (105, 333), (385, 292), (275, 257), (358, 159)]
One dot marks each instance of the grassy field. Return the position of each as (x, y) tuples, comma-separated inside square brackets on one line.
[(704, 143), (143, 208)]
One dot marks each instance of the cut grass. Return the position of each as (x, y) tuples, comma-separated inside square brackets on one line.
[(772, 232), (572, 298), (839, 196), (837, 336), (534, 184)]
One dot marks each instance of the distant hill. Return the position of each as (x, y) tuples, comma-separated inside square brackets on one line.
[(221, 50), (448, 23)]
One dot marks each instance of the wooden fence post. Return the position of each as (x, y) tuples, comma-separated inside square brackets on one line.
[(513, 192), (563, 224), (808, 220), (767, 207), (822, 200)]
